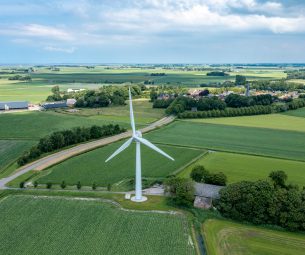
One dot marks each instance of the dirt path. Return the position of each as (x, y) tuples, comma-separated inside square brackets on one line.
[(57, 157)]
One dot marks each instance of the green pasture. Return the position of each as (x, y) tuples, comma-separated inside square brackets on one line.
[(143, 111), (274, 121), (229, 238), (91, 167), (10, 150), (34, 125), (53, 225), (260, 141), (239, 167), (297, 113)]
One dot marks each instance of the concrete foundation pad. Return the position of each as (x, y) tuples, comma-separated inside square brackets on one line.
[(133, 199)]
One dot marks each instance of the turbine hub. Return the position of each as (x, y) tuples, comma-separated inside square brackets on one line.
[(138, 133)]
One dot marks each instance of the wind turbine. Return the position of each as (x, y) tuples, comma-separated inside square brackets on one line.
[(137, 137)]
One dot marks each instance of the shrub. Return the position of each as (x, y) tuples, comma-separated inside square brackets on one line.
[(63, 185), (109, 187), (199, 173), (21, 185), (94, 186), (78, 185), (49, 185), (35, 184)]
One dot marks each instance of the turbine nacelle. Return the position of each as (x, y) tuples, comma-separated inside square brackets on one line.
[(138, 133)]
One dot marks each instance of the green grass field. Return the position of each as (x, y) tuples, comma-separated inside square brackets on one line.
[(297, 113), (228, 238), (52, 225), (238, 167), (91, 167), (274, 121), (10, 150), (260, 141)]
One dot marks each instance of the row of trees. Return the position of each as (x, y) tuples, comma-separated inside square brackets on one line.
[(281, 85), (61, 139), (265, 202), (228, 112), (245, 111), (20, 78), (200, 174)]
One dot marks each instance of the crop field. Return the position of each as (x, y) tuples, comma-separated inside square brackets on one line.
[(91, 167), (238, 167), (274, 121), (260, 141), (228, 238), (10, 150), (50, 225)]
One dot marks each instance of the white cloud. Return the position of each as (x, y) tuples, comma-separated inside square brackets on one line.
[(59, 49)]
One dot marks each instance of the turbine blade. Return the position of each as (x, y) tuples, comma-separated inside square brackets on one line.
[(123, 147), (154, 147), (131, 114)]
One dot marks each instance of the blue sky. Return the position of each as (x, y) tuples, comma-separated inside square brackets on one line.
[(152, 31)]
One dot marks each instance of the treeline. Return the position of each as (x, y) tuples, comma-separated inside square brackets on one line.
[(244, 111), (265, 202), (296, 74), (182, 103), (61, 139), (20, 78), (281, 85), (158, 74), (103, 97), (217, 73)]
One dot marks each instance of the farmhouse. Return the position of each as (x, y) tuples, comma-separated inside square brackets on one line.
[(74, 90), (16, 105), (53, 105), (205, 193)]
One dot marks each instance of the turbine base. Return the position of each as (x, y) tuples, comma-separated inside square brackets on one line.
[(143, 199)]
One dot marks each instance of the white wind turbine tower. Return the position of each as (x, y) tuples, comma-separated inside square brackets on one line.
[(137, 137)]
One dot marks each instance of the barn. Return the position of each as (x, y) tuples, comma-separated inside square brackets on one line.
[(53, 105), (14, 105)]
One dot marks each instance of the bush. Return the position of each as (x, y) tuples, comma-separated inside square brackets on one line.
[(78, 185), (198, 173), (21, 185), (109, 187), (217, 179), (63, 185), (35, 184), (94, 186), (49, 185)]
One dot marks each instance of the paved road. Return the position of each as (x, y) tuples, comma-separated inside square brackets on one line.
[(52, 159)]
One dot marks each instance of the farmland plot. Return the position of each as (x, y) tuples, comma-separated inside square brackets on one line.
[(46, 225)]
